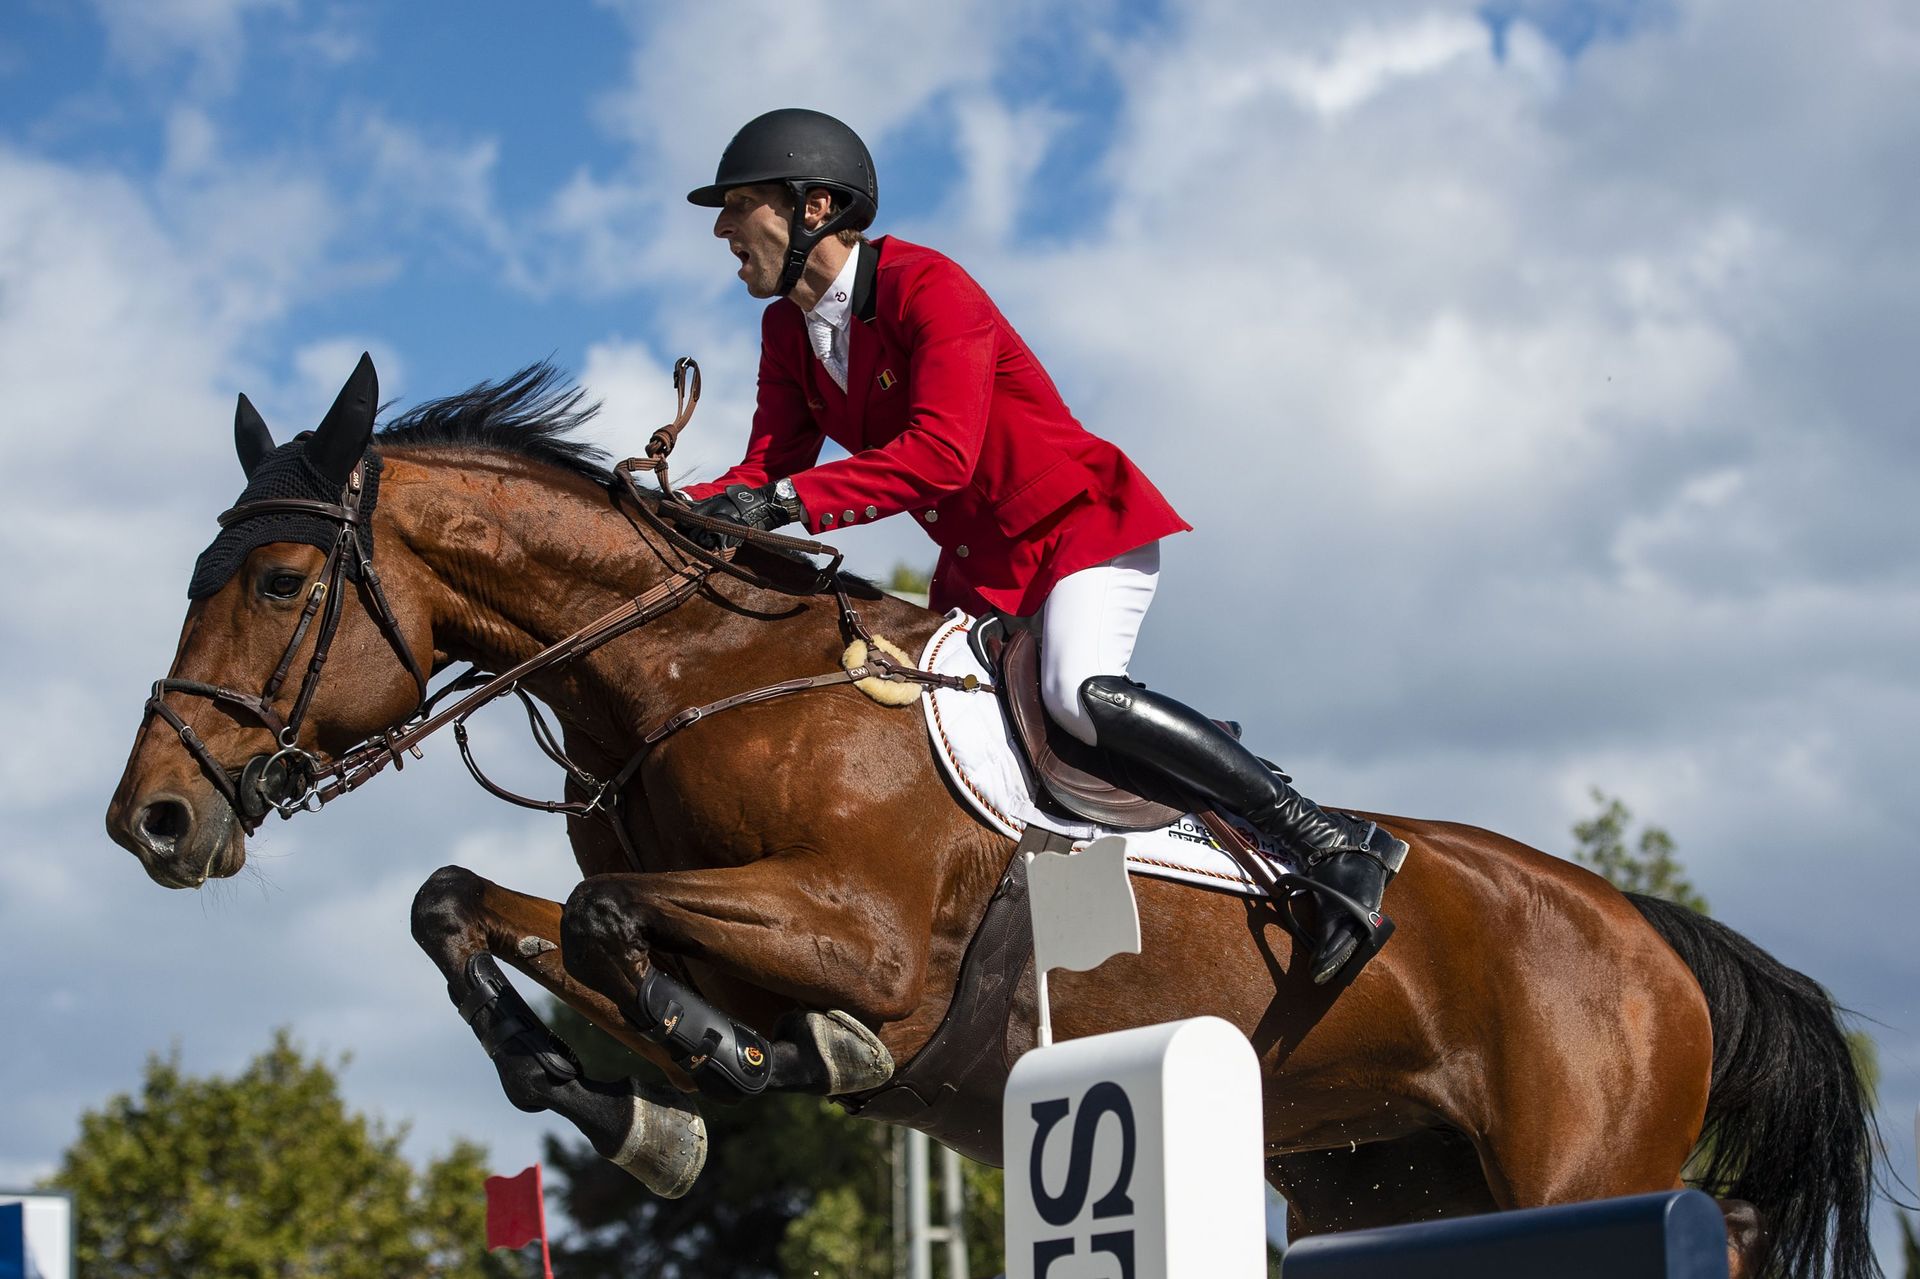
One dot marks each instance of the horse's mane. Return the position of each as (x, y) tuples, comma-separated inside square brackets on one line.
[(530, 414)]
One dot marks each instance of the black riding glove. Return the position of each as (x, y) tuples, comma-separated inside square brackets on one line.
[(765, 508)]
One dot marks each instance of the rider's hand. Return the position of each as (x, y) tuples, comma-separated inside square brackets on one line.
[(720, 507), (766, 507)]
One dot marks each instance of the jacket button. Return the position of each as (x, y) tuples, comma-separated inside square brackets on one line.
[(932, 516), (847, 516), (961, 551), (826, 521), (873, 512)]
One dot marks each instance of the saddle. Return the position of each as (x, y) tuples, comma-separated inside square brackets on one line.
[(1068, 778)]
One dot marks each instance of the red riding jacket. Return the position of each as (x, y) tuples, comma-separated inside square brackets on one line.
[(948, 415)]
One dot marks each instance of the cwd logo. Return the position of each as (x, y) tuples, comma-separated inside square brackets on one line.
[(1066, 1208)]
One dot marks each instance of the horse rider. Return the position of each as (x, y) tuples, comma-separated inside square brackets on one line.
[(896, 353)]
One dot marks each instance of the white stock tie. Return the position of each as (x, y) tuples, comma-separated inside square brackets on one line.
[(820, 334)]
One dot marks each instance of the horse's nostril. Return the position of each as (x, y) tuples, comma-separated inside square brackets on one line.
[(165, 821)]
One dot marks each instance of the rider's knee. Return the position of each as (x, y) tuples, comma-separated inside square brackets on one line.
[(1107, 700), (1060, 694)]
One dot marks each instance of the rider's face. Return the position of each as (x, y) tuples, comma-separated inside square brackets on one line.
[(753, 222)]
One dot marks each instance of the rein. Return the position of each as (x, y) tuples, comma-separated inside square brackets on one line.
[(259, 786)]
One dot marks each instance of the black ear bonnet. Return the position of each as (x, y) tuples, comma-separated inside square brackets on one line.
[(288, 471)]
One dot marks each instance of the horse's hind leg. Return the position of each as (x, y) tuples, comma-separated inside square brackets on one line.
[(1421, 1177), (780, 934), (1619, 1118), (462, 921)]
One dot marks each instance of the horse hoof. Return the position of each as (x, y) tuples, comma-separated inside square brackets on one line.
[(665, 1145), (852, 1056)]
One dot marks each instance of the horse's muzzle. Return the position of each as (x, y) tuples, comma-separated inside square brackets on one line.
[(179, 845)]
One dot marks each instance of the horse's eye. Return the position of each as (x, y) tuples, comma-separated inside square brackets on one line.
[(282, 584)]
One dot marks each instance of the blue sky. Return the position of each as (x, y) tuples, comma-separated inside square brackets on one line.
[(521, 107), (1573, 336)]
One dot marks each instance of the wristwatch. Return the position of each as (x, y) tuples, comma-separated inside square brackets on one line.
[(789, 499)]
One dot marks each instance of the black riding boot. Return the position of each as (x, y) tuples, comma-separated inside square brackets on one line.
[(1344, 853)]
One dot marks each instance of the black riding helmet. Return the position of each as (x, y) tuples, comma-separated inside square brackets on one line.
[(800, 150)]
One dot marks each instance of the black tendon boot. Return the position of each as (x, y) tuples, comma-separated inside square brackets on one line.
[(1343, 853), (729, 1060)]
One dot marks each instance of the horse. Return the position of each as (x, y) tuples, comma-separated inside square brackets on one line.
[(1530, 1035)]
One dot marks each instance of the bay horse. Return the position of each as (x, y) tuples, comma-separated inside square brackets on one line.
[(1530, 1036)]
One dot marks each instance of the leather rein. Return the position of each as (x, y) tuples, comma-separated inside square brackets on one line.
[(292, 779)]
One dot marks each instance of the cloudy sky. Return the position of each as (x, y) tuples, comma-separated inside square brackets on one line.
[(1537, 373)]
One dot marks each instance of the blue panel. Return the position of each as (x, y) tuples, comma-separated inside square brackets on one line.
[(13, 1241), (1676, 1235)]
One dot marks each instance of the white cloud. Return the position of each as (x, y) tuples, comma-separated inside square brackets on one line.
[(635, 387), (1368, 59), (146, 34), (696, 76), (1000, 149), (321, 368), (439, 186)]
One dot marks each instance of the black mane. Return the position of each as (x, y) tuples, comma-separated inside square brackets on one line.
[(529, 414)]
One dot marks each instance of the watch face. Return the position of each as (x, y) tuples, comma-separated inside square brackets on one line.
[(784, 490)]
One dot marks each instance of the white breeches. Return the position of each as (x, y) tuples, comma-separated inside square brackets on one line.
[(1087, 628)]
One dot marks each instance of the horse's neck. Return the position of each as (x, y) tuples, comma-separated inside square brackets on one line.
[(520, 557)]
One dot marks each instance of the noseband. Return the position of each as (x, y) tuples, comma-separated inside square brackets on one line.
[(286, 779)]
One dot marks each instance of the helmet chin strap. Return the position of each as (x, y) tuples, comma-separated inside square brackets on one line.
[(801, 239)]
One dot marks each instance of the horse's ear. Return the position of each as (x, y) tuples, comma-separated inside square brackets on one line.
[(251, 438), (341, 437)]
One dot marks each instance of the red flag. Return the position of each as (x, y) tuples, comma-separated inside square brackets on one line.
[(517, 1215)]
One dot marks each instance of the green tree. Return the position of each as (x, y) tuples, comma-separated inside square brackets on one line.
[(908, 580), (1649, 866), (265, 1175), (986, 1216), (767, 1163)]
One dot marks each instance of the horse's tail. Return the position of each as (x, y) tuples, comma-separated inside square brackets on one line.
[(1789, 1126)]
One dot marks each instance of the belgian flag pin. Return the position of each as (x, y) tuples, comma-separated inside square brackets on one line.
[(887, 379)]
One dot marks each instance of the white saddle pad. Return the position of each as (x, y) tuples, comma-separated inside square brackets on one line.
[(973, 742)]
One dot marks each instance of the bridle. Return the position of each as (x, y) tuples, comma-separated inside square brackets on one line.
[(262, 785), (292, 779)]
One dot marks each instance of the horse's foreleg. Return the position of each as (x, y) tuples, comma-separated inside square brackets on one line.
[(779, 927), (462, 921)]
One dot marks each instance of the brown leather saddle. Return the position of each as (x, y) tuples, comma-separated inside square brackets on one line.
[(1067, 777)]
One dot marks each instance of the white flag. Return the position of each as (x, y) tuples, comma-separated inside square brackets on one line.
[(1083, 907)]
